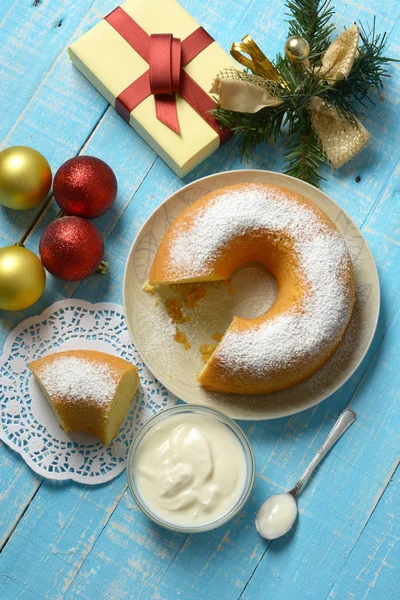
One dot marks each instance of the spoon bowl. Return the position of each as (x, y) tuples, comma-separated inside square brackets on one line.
[(276, 516)]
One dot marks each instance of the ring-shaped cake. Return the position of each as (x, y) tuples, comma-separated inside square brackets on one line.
[(309, 259)]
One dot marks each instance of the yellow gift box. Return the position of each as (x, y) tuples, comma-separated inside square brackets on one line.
[(135, 55)]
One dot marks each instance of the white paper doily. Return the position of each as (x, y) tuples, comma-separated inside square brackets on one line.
[(29, 425)]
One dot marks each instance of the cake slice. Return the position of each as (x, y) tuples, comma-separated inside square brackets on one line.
[(89, 391)]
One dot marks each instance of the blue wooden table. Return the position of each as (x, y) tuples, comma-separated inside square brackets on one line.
[(64, 540)]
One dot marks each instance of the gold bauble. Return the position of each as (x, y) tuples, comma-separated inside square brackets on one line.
[(297, 48), (25, 177), (22, 278)]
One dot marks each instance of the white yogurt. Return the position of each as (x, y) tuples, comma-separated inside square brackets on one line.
[(189, 470), (276, 516)]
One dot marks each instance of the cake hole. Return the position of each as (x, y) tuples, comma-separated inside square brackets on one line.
[(193, 317), (255, 290)]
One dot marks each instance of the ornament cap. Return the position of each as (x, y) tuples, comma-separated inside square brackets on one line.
[(297, 49), (103, 268)]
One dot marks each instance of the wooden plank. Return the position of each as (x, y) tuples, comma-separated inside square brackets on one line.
[(32, 35), (68, 518), (18, 486), (145, 203), (373, 568), (5, 8)]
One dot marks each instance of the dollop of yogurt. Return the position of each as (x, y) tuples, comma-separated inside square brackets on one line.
[(189, 469), (276, 516)]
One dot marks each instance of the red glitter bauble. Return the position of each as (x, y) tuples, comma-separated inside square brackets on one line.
[(71, 248), (85, 186)]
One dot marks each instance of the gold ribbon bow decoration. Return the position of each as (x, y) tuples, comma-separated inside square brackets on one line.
[(241, 91), (339, 58)]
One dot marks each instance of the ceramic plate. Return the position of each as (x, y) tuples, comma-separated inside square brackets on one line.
[(250, 293)]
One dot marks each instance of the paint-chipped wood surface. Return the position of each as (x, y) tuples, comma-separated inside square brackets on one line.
[(71, 541)]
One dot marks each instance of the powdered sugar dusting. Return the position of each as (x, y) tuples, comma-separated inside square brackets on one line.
[(234, 213), (78, 380), (301, 332), (293, 336)]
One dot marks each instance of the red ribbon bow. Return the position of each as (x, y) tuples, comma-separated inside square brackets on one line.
[(166, 56)]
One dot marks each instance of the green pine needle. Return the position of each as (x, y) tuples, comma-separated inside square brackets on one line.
[(255, 128), (304, 156)]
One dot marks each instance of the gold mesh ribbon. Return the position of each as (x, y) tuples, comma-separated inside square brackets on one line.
[(245, 92), (340, 139), (338, 60)]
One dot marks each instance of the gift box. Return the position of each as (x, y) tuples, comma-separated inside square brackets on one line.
[(153, 62)]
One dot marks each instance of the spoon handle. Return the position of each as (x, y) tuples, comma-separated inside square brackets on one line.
[(346, 418)]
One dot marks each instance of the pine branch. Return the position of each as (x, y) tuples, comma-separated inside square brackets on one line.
[(311, 20), (304, 156), (256, 128)]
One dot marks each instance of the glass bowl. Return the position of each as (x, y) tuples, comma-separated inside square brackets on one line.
[(212, 414)]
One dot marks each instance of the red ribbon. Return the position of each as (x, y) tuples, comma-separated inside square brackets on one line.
[(166, 56)]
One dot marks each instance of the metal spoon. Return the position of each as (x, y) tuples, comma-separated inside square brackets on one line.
[(278, 513)]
